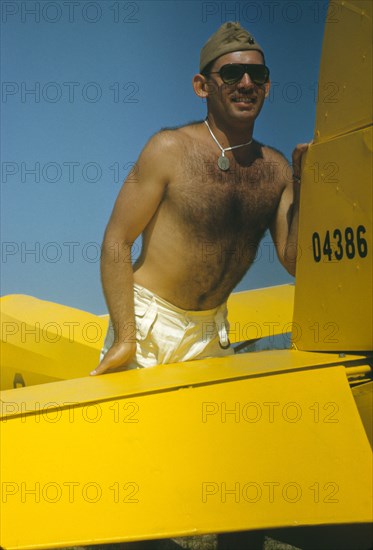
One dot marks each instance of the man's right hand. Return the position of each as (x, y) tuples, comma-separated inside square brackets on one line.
[(116, 359)]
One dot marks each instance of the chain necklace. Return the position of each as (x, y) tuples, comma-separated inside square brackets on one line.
[(223, 161)]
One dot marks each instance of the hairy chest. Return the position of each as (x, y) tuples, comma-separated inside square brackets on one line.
[(214, 204)]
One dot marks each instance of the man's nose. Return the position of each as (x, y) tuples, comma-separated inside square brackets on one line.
[(246, 81)]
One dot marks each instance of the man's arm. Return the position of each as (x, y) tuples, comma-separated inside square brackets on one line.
[(284, 229), (136, 204)]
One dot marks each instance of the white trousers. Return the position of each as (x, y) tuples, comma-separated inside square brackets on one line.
[(168, 334)]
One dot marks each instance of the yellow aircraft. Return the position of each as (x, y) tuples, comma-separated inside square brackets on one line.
[(276, 440)]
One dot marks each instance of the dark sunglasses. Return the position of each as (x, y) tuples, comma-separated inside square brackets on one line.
[(233, 72)]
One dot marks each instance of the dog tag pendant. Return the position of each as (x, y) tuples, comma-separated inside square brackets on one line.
[(223, 163)]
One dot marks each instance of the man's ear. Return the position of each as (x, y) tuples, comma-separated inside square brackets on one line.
[(267, 87), (200, 86)]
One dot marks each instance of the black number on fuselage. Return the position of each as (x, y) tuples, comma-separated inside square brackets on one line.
[(18, 381)]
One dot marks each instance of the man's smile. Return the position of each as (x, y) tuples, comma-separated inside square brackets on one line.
[(244, 99)]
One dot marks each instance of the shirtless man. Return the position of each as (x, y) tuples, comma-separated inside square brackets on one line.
[(201, 221)]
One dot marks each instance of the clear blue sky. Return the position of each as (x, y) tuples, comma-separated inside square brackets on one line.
[(84, 86)]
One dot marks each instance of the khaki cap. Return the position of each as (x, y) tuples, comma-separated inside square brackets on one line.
[(230, 37)]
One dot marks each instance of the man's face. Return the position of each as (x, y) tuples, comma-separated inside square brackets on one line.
[(241, 101)]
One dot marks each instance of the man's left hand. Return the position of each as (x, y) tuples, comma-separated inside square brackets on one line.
[(297, 155)]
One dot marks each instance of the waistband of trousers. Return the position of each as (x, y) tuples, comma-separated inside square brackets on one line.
[(168, 306)]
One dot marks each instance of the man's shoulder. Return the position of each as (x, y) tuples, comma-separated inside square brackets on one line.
[(182, 127), (174, 136), (271, 154), (168, 144), (277, 164)]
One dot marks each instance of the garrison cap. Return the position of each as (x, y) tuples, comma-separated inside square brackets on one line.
[(230, 37)]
